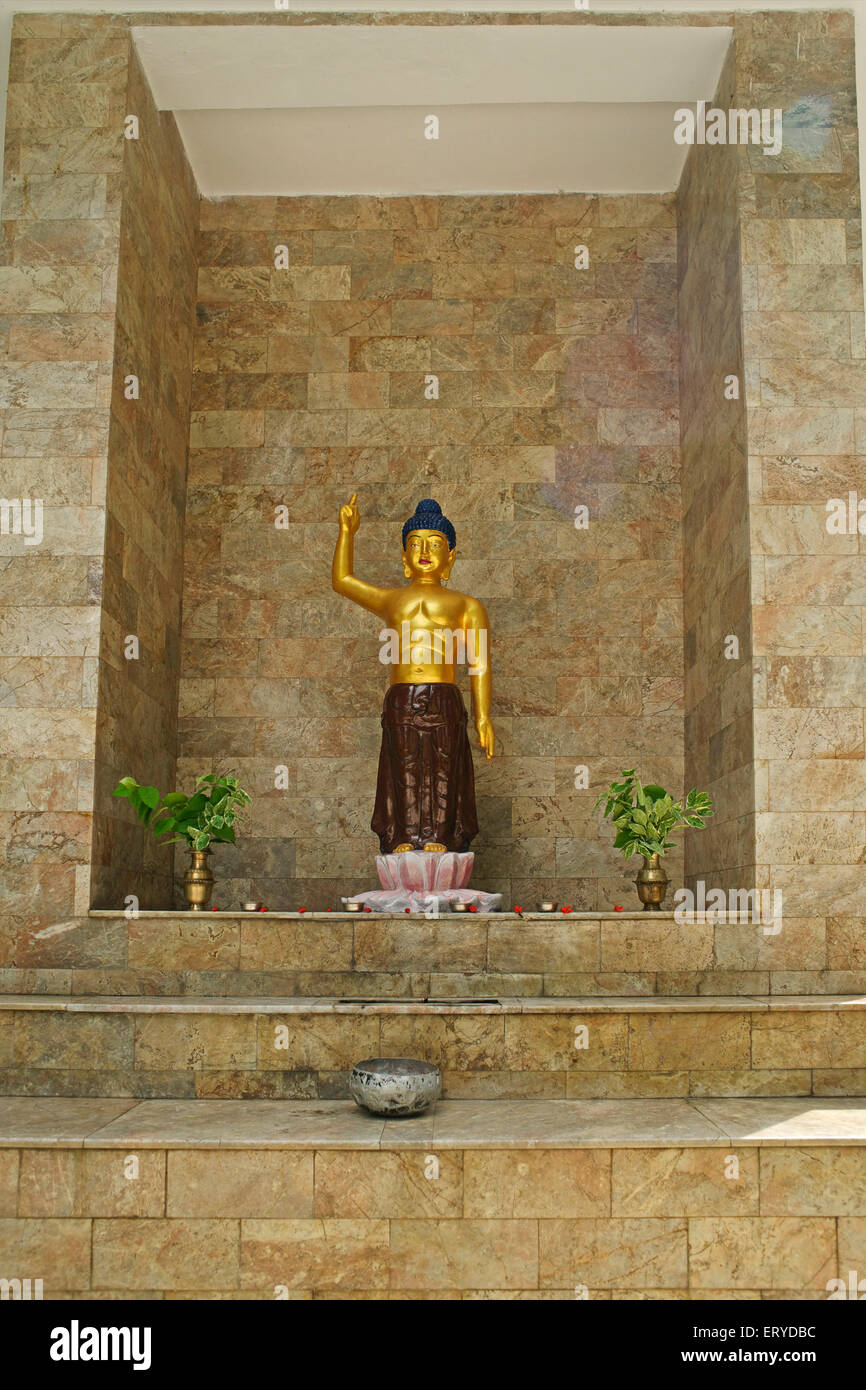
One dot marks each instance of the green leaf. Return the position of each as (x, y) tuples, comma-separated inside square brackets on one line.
[(150, 797), (202, 840), (175, 798)]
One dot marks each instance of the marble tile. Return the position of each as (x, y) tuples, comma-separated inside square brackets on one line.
[(79, 1183), (165, 1254), (329, 1254), (254, 1183), (684, 1182), (388, 1185), (58, 1121), (465, 1254), (772, 1252), (612, 1253), (536, 1184)]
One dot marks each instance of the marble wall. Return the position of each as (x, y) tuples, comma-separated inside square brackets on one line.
[(61, 231), (805, 391), (136, 732), (557, 389), (716, 594)]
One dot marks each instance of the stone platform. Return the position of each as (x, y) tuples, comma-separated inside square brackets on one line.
[(487, 1049), (658, 1199), (338, 954)]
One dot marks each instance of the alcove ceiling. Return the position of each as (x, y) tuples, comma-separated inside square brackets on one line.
[(343, 108)]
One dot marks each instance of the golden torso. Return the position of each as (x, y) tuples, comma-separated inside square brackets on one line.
[(426, 608)]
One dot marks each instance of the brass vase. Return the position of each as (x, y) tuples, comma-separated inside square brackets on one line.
[(198, 880), (652, 884)]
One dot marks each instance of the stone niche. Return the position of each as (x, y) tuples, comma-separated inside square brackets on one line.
[(260, 388)]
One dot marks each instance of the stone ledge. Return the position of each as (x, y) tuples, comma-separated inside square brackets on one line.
[(451, 1124), (519, 1004)]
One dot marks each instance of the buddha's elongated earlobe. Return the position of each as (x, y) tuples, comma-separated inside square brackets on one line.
[(446, 572), (407, 573)]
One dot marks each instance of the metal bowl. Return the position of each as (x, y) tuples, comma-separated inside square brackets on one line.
[(547, 907), (395, 1085), (353, 907)]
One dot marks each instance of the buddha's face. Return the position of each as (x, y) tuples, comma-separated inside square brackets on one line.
[(427, 556)]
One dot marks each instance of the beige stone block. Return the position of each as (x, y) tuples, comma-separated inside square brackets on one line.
[(846, 943), (793, 1082), (852, 1249), (319, 282), (155, 944), (557, 1042), (227, 429), (465, 1254), (327, 1042), (255, 1183), (546, 1183), (302, 945), (798, 945), (427, 317), (684, 1182), (70, 1182), (821, 1039), (663, 945), (374, 1186), (431, 944), (455, 1042), (807, 734), (757, 1252), (809, 287), (612, 1253), (56, 1251), (8, 1181), (50, 289), (829, 784), (801, 430), (794, 630), (505, 1085), (695, 1042), (554, 946), (179, 1042), (813, 1181), (617, 1085), (299, 1254), (165, 1254), (68, 1041)]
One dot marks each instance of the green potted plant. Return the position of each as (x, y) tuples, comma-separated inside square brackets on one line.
[(644, 817), (209, 814)]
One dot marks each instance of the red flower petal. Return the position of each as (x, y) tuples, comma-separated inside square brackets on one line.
[(302, 909), (407, 909), (619, 909), (472, 907), (367, 909)]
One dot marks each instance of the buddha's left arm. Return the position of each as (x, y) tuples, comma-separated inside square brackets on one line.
[(477, 629)]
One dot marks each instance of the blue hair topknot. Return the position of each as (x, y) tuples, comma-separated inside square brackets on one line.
[(428, 517)]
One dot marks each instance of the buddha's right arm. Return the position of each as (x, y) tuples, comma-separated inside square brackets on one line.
[(346, 583)]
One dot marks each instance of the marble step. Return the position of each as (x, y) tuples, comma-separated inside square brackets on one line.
[(586, 1199), (487, 1048), (290, 953)]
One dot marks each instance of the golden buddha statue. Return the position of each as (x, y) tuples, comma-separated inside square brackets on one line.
[(425, 793)]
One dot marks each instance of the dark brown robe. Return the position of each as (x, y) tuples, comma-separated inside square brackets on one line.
[(426, 786)]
